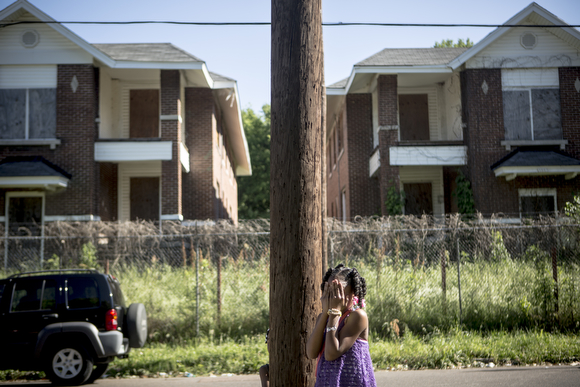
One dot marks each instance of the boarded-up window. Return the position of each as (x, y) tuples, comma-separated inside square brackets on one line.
[(41, 119), (144, 114), (42, 113), (532, 114), (418, 199), (414, 117), (533, 206), (144, 198), (25, 216)]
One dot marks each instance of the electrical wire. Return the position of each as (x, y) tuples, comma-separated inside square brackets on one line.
[(331, 24)]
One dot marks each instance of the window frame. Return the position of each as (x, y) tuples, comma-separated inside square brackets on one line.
[(27, 115), (531, 192)]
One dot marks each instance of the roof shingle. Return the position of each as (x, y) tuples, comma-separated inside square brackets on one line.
[(413, 57), (146, 52)]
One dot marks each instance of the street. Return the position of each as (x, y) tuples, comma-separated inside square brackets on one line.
[(561, 376)]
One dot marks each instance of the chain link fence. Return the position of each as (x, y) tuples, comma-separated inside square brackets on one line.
[(422, 274)]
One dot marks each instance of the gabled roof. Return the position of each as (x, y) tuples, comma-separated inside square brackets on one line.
[(534, 14), (30, 166), (412, 57), (536, 163), (146, 52), (32, 172), (15, 10)]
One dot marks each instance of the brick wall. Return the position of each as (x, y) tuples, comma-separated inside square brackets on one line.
[(171, 185), (337, 167), (570, 108), (483, 114), (223, 171), (76, 128), (108, 202), (198, 190), (363, 191), (388, 135)]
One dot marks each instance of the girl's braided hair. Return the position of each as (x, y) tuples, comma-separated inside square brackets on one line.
[(352, 278)]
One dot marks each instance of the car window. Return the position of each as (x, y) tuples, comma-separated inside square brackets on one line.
[(30, 295), (1, 291), (118, 297), (82, 292)]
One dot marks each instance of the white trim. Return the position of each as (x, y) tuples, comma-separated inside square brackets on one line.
[(171, 216), (52, 142), (119, 151), (374, 162), (184, 157), (72, 218), (45, 182), (448, 155), (389, 127), (511, 173), (509, 143), (171, 117)]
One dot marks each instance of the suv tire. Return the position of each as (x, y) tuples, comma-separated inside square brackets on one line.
[(137, 325), (68, 365), (98, 371)]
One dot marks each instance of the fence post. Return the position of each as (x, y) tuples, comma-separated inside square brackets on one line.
[(555, 277), (219, 289), (444, 281), (459, 283), (196, 287)]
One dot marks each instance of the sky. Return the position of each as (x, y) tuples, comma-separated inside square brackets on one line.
[(243, 52)]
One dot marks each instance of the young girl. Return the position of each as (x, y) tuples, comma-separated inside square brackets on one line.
[(339, 339)]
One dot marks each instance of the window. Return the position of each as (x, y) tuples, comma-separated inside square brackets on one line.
[(375, 108), (539, 201), (81, 292), (343, 205), (414, 117), (532, 114), (33, 295), (28, 113), (339, 131), (531, 104)]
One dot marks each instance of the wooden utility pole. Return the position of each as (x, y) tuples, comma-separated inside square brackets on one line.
[(295, 188)]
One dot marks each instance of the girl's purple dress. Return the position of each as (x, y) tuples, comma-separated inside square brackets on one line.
[(353, 369)]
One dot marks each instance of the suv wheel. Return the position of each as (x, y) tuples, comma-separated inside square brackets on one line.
[(137, 325), (68, 365), (98, 371)]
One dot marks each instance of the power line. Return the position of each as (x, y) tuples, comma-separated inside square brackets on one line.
[(332, 24)]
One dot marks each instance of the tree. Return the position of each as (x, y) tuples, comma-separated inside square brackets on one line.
[(449, 43), (254, 191), (295, 188)]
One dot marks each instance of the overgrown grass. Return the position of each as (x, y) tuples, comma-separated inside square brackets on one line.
[(432, 351)]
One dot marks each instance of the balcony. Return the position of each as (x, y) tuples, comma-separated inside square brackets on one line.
[(133, 149), (431, 153)]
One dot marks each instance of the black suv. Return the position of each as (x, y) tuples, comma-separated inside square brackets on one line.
[(69, 323)]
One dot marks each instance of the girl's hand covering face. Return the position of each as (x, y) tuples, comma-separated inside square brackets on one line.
[(337, 299)]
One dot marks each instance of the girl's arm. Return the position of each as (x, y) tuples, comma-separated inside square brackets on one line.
[(336, 345), (314, 343)]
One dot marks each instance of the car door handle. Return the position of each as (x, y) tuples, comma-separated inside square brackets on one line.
[(52, 315)]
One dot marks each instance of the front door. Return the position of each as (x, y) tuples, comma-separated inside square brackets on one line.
[(418, 199), (144, 198), (414, 117)]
